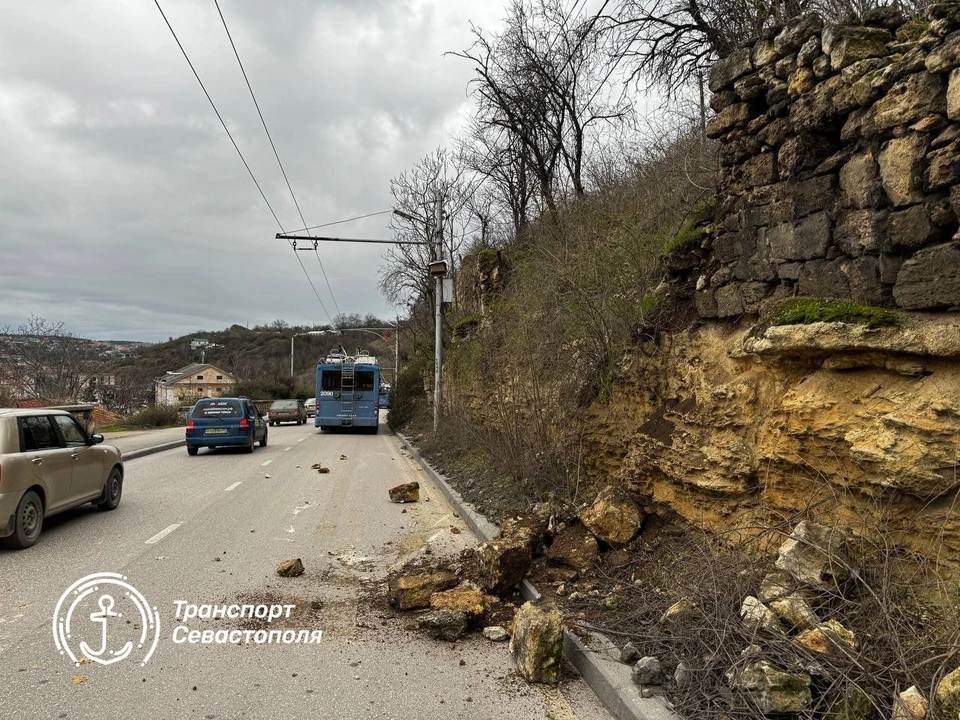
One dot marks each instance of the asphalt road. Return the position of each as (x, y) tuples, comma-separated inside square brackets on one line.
[(211, 529), (129, 440)]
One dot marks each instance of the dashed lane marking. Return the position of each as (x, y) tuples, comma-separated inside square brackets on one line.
[(162, 534), (232, 487)]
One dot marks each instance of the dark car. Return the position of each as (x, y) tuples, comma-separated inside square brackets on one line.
[(225, 422), (287, 411)]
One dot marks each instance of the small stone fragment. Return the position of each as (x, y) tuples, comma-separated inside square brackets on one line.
[(756, 616), (629, 654), (910, 705), (495, 633), (647, 671), (682, 611), (290, 568), (445, 624), (947, 696)]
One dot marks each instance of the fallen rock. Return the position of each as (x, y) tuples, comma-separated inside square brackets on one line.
[(405, 493), (495, 633), (408, 592), (910, 705), (680, 613), (574, 547), (443, 624), (828, 637), (853, 704), (815, 555), (682, 676), (947, 696), (502, 563), (647, 671), (471, 602), (795, 610), (771, 689), (320, 468), (289, 568), (527, 527), (536, 642), (629, 654), (758, 617), (614, 517)]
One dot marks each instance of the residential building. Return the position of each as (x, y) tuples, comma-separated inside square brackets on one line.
[(186, 385)]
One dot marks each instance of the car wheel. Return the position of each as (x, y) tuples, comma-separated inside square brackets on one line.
[(263, 442), (112, 491), (27, 522), (248, 448), (192, 450)]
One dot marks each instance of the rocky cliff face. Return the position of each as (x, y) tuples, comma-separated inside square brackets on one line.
[(840, 154), (726, 427)]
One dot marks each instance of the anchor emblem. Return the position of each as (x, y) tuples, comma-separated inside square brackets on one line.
[(103, 656)]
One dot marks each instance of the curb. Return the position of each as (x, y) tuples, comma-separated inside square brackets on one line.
[(602, 671), (143, 452)]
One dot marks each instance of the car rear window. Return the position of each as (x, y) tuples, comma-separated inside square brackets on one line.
[(284, 405), (217, 409)]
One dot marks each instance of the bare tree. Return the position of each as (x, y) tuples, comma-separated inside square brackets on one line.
[(540, 89), (40, 359), (674, 42)]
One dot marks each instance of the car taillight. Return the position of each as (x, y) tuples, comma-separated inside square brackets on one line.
[(244, 424), (189, 426)]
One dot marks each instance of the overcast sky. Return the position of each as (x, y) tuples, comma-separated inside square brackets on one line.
[(126, 213)]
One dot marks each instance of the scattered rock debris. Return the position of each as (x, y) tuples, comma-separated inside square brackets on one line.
[(343, 457), (290, 568), (405, 493), (320, 468)]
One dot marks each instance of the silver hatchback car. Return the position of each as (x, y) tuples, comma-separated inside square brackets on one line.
[(48, 464)]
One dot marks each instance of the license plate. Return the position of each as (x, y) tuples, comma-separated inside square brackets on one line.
[(216, 431)]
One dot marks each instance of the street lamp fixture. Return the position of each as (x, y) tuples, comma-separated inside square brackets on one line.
[(296, 335)]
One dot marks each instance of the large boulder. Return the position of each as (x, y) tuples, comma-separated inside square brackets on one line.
[(502, 563), (816, 555), (530, 528), (574, 547), (536, 642), (771, 689), (613, 517), (409, 592), (947, 695)]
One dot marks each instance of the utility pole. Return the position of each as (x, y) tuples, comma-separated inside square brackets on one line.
[(438, 315), (396, 352)]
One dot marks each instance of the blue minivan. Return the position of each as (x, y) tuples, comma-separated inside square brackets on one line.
[(225, 422)]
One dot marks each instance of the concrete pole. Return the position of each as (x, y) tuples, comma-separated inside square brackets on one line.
[(438, 318), (291, 355)]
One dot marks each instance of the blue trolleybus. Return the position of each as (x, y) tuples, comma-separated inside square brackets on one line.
[(348, 391)]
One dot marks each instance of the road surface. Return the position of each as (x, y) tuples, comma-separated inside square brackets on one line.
[(129, 440), (211, 529)]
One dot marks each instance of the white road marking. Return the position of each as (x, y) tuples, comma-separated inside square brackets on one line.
[(288, 448), (266, 463), (232, 487), (301, 439), (162, 534)]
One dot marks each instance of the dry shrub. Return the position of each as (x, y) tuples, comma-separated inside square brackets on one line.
[(901, 609)]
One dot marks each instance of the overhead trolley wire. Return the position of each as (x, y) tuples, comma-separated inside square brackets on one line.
[(237, 148), (276, 154)]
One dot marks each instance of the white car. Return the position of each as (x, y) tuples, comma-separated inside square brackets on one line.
[(48, 464), (311, 406)]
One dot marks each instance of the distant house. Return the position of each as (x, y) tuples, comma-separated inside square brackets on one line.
[(197, 380)]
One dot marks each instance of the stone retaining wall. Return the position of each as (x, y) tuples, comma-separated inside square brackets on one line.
[(840, 166)]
